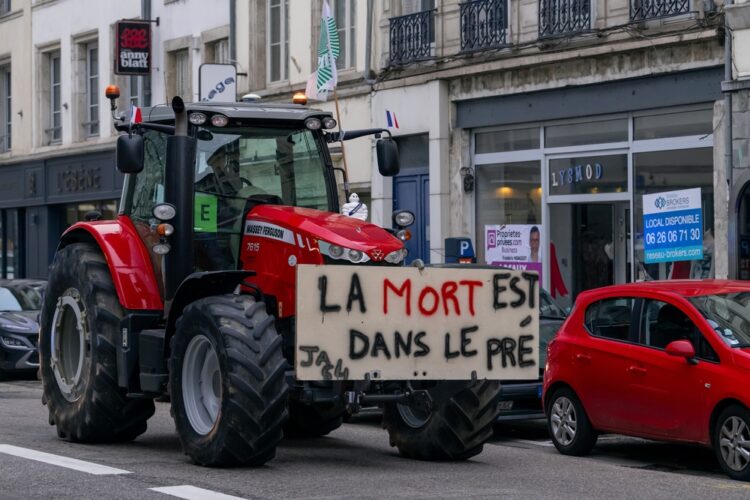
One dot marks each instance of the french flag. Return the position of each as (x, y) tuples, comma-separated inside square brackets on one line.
[(390, 117), (135, 114)]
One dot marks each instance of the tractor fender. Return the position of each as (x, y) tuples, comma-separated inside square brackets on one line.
[(197, 286), (127, 259)]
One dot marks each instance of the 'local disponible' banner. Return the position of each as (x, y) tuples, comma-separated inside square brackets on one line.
[(515, 246), (133, 48), (673, 226)]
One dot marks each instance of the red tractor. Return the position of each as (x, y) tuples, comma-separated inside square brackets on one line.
[(190, 294)]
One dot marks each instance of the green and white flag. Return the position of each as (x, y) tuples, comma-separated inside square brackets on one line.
[(323, 81)]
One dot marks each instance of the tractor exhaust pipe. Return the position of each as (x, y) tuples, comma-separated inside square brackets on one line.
[(178, 190)]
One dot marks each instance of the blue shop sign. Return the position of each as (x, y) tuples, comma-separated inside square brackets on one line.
[(673, 226)]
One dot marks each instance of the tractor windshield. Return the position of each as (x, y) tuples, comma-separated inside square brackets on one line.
[(234, 164)]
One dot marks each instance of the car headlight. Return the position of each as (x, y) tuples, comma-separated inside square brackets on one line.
[(403, 218), (12, 341), (337, 252), (396, 256)]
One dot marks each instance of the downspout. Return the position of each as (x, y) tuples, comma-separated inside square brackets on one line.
[(368, 76), (233, 32), (146, 15), (728, 153)]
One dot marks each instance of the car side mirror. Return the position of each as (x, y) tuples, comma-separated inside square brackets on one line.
[(682, 349), (130, 153), (388, 163)]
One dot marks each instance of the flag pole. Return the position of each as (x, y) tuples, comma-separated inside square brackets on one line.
[(343, 150)]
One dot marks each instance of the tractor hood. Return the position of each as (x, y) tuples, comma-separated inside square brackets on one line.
[(332, 228)]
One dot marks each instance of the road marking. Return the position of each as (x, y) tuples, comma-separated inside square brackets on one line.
[(68, 463), (535, 443), (192, 493)]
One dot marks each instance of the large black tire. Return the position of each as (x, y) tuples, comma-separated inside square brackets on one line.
[(313, 420), (454, 430), (569, 426), (80, 327), (249, 391), (731, 435)]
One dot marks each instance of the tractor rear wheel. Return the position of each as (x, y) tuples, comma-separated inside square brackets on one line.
[(313, 420), (455, 429), (80, 326), (227, 381)]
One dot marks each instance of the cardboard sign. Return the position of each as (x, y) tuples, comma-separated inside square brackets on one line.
[(673, 226), (400, 323), (132, 48)]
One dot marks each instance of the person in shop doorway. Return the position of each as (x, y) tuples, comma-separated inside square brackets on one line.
[(534, 240)]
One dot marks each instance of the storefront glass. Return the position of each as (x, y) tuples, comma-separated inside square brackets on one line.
[(11, 259), (664, 171), (507, 193), (75, 212)]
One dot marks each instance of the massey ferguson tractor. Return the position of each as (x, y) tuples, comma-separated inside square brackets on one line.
[(230, 284)]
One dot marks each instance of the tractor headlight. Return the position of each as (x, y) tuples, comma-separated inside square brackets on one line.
[(328, 122), (337, 252), (313, 123), (403, 218), (164, 211), (396, 256), (197, 118)]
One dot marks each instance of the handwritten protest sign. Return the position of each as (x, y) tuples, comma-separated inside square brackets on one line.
[(396, 323)]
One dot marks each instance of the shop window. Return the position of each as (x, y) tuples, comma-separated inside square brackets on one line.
[(680, 124), (576, 134), (671, 171), (11, 237), (278, 40), (76, 212), (588, 175), (218, 52), (507, 140), (507, 193)]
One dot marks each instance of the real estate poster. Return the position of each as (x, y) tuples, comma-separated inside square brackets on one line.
[(515, 246)]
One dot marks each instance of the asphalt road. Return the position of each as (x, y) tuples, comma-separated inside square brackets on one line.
[(354, 461)]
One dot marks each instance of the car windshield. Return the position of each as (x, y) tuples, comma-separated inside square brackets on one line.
[(728, 314), (19, 297), (548, 308)]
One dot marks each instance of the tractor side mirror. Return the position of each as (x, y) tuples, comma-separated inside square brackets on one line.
[(130, 153), (388, 163)]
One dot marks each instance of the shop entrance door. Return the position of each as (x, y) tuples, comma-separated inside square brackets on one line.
[(591, 247)]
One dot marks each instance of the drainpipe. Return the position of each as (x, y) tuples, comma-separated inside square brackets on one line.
[(368, 76), (233, 32), (728, 153), (146, 15)]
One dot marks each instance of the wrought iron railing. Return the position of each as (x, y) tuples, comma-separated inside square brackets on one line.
[(484, 24), (651, 9), (563, 17), (412, 37)]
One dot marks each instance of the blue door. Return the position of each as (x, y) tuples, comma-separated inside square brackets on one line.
[(411, 191)]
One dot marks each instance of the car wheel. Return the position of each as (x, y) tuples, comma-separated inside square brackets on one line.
[(732, 442), (569, 426)]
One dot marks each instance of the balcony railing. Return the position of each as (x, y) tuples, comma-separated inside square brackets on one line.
[(641, 10), (412, 37), (563, 17), (484, 24)]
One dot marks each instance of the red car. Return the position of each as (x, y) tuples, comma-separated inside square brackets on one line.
[(663, 360)]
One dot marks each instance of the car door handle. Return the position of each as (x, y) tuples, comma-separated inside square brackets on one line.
[(637, 370), (583, 358)]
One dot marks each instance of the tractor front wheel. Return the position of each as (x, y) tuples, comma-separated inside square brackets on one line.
[(227, 381), (455, 429), (80, 326)]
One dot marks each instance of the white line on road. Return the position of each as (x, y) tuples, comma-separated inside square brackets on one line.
[(192, 493), (534, 443), (68, 463)]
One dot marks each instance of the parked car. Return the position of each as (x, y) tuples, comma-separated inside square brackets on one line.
[(522, 399), (659, 360), (20, 302)]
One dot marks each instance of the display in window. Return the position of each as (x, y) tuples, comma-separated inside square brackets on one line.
[(515, 246)]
